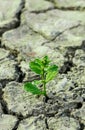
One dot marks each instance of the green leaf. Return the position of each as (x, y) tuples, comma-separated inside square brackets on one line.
[(37, 82), (38, 61), (45, 60), (35, 67), (51, 72), (29, 87)]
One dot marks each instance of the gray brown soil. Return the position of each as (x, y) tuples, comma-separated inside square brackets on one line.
[(35, 28)]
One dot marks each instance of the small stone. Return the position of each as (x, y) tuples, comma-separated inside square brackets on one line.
[(79, 58)]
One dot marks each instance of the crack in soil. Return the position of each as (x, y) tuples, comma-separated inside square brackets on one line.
[(82, 126), (13, 52), (78, 8), (21, 75), (3, 82), (46, 123), (70, 8), (16, 125), (58, 34), (42, 11)]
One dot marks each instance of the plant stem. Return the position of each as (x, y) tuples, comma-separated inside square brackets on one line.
[(43, 81), (44, 85), (45, 95)]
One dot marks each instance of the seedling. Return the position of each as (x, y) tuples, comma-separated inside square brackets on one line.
[(46, 71)]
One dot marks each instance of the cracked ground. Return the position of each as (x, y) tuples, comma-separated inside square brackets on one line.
[(35, 28)]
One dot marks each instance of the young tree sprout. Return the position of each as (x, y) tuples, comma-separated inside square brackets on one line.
[(46, 71)]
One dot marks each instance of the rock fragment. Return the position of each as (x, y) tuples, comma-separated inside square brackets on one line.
[(52, 23), (3, 53), (9, 17), (36, 6), (7, 69), (19, 101), (7, 122), (32, 123), (72, 5)]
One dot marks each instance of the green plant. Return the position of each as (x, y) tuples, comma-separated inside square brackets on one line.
[(46, 71)]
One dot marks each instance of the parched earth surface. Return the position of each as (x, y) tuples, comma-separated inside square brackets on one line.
[(35, 28)]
